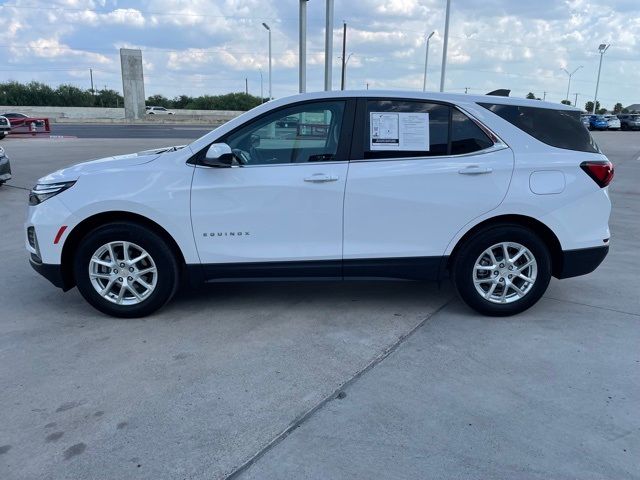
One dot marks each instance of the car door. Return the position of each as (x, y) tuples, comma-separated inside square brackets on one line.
[(404, 201), (279, 211)]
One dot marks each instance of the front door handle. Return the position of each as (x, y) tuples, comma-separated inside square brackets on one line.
[(475, 170), (320, 178)]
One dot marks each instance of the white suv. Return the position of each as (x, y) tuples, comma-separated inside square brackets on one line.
[(498, 193)]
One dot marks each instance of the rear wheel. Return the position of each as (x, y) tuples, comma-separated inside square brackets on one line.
[(502, 271), (125, 270)]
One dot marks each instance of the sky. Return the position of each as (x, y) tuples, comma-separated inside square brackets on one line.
[(198, 47)]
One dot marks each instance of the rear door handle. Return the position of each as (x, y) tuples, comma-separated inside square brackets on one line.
[(320, 178), (475, 170)]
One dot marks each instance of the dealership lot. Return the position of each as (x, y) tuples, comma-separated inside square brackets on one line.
[(214, 381)]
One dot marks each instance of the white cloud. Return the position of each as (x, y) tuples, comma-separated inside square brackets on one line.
[(188, 43)]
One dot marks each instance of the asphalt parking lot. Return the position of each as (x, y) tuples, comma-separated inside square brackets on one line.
[(318, 380)]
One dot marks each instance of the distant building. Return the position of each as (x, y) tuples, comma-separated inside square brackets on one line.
[(634, 108)]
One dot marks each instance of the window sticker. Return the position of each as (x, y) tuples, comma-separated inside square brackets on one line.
[(399, 131)]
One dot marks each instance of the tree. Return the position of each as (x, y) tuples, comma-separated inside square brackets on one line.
[(601, 111), (531, 96), (625, 110), (40, 95), (565, 102), (159, 101), (589, 106), (617, 108)]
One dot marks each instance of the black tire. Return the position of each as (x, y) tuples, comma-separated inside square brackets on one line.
[(162, 255), (462, 268)]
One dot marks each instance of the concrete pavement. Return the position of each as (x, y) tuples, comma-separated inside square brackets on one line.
[(215, 380)]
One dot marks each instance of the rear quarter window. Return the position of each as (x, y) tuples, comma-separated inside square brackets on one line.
[(558, 128)]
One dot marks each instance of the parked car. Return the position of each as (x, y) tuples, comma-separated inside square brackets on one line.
[(5, 127), (5, 167), (498, 193), (288, 122), (20, 119), (585, 120), (158, 111), (598, 122), (613, 122), (629, 121)]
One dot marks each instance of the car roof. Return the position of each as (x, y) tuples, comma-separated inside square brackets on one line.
[(436, 96)]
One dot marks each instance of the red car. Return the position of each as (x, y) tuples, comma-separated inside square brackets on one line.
[(23, 122)]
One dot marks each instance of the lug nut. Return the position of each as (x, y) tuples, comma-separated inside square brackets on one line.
[(501, 280), (131, 269), (122, 264), (120, 279), (511, 268), (510, 276), (495, 273), (115, 270), (129, 278), (502, 265)]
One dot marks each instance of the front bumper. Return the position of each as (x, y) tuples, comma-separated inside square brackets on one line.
[(51, 272), (581, 261), (5, 169)]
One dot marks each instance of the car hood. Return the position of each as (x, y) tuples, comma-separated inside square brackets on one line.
[(103, 164)]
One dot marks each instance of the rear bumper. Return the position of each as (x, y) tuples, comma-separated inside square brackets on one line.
[(581, 261), (51, 272)]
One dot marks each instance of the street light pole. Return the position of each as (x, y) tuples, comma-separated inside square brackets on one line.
[(269, 30), (302, 74), (344, 48), (602, 48), (328, 46), (444, 46), (570, 75), (426, 61), (261, 88)]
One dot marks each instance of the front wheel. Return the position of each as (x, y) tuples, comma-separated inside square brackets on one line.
[(502, 271), (125, 270)]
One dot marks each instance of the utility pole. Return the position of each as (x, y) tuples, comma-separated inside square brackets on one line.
[(344, 50), (261, 88), (544, 96), (302, 47), (367, 85), (246, 85), (91, 75), (269, 30), (445, 45), (328, 46), (426, 61), (575, 104), (602, 48), (466, 90)]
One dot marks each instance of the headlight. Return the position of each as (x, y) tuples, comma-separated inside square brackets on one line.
[(43, 191), (1, 152)]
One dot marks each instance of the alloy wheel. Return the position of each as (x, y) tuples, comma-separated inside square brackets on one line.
[(123, 273), (505, 272)]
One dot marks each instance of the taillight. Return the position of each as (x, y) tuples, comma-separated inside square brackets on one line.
[(600, 172)]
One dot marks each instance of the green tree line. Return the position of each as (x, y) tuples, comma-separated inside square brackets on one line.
[(41, 95), (617, 108)]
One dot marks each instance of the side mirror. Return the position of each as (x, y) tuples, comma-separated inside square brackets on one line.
[(218, 155)]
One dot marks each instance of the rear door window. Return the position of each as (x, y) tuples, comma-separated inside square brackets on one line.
[(558, 128), (466, 135), (384, 129)]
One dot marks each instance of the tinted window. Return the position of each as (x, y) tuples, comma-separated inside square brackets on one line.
[(558, 128), (466, 136), (304, 133), (438, 127)]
